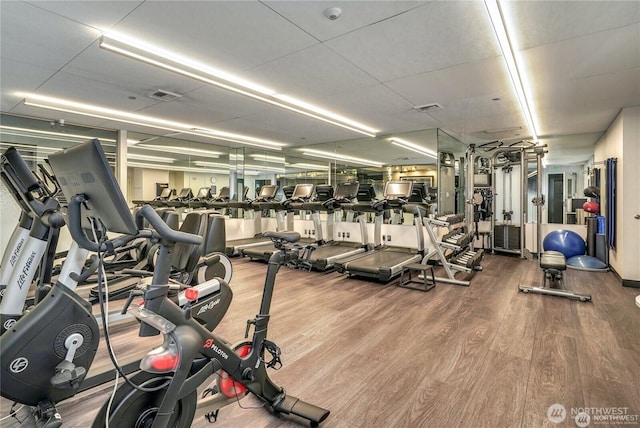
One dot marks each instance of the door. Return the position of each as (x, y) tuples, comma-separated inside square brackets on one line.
[(556, 198)]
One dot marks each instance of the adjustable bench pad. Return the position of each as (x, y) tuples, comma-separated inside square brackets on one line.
[(553, 260)]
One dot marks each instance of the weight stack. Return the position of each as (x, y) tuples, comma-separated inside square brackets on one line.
[(507, 237)]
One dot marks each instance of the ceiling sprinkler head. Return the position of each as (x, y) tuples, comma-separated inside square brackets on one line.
[(333, 13)]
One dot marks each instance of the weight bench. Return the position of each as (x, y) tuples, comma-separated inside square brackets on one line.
[(553, 263)]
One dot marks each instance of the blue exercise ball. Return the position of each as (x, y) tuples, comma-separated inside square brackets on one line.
[(565, 241)]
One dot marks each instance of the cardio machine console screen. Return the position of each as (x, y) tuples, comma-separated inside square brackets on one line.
[(366, 193), (398, 189), (84, 169), (303, 191), (347, 190), (268, 191), (418, 193)]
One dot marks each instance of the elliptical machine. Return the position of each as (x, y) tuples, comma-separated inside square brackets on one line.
[(165, 392), (32, 244)]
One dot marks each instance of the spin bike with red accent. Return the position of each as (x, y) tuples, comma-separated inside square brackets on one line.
[(164, 393)]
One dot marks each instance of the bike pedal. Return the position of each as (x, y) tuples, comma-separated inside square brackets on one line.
[(46, 415), (212, 417), (210, 391)]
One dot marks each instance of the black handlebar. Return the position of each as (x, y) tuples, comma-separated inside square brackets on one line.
[(164, 231), (75, 228), (20, 167)]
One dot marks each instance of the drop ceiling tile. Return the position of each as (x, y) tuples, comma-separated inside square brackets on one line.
[(33, 36), (438, 35), (314, 71), (539, 23), (591, 55), (485, 78), (230, 35), (287, 127), (97, 14), (309, 15)]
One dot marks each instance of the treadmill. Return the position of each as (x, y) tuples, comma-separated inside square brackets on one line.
[(419, 196), (201, 198), (264, 201), (324, 257), (182, 200), (158, 201), (386, 262), (299, 197), (221, 201)]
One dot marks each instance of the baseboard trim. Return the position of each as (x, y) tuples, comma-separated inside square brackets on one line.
[(630, 283)]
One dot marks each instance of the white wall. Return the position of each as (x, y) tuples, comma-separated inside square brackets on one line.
[(631, 193), (197, 180), (622, 141), (142, 182)]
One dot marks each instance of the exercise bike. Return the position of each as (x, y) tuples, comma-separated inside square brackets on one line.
[(47, 353), (165, 393)]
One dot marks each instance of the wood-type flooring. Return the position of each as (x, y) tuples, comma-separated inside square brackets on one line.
[(378, 355)]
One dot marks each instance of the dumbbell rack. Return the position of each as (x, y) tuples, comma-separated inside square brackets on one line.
[(462, 259)]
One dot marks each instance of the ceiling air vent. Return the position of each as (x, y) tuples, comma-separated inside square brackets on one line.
[(427, 108), (162, 95)]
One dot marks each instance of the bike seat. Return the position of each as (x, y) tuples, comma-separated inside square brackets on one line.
[(283, 236)]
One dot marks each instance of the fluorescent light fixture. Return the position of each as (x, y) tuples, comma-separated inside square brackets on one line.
[(515, 72), (413, 147), (212, 164), (178, 149), (236, 138), (40, 137), (333, 156), (264, 168), (59, 134), (30, 148), (175, 168), (222, 165), (267, 158), (170, 61), (136, 156), (311, 166), (91, 110)]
